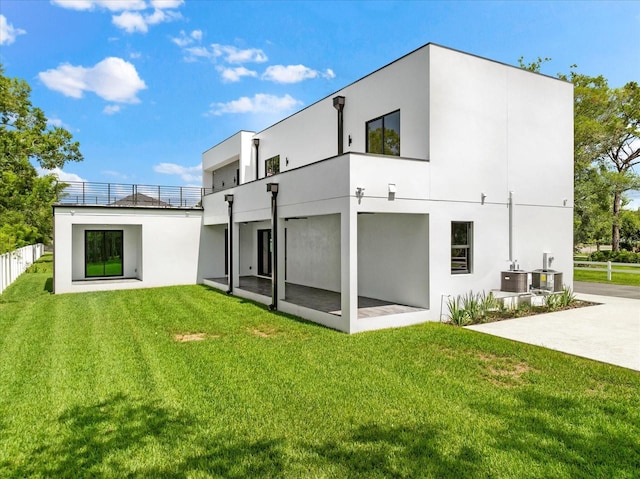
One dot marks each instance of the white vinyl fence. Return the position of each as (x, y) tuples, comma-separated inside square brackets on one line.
[(608, 266), (14, 263)]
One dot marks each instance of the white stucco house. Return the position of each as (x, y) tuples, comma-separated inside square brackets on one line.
[(426, 178)]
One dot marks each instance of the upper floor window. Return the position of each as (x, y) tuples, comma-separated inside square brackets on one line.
[(461, 246), (383, 134), (272, 166)]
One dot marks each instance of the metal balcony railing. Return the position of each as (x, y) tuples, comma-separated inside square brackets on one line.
[(126, 195)]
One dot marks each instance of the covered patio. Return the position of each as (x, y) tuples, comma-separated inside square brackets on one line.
[(314, 298)]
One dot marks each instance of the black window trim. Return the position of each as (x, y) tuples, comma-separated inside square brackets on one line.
[(366, 132), (468, 247), (266, 166), (86, 232)]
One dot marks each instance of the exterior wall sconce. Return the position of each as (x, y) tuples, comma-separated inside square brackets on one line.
[(392, 191), (482, 198), (564, 202), (359, 193), (228, 198), (272, 188), (350, 140)]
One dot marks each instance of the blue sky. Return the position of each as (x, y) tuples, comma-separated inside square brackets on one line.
[(146, 86)]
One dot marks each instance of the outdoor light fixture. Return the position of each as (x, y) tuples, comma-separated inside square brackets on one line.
[(482, 198), (338, 104), (256, 143), (272, 187), (228, 198)]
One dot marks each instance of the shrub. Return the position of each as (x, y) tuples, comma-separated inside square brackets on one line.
[(457, 314)]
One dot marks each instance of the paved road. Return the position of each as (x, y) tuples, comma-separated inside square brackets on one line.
[(605, 289)]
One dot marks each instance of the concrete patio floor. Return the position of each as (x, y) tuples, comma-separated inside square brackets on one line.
[(608, 332), (319, 299)]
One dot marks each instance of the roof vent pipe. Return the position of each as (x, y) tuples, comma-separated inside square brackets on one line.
[(338, 104)]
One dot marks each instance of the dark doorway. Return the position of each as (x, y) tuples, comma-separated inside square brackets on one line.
[(264, 252)]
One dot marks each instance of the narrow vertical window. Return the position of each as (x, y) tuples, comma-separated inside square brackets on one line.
[(383, 134), (103, 253), (461, 247)]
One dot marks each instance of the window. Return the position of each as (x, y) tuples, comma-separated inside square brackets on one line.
[(272, 166), (461, 244), (103, 253), (383, 134)]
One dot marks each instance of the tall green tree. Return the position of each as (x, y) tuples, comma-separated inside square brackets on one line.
[(607, 134), (606, 151), (26, 138)]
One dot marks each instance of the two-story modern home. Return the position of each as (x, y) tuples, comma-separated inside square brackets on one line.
[(425, 179)]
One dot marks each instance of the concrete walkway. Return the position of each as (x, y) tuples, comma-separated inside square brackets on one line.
[(608, 332)]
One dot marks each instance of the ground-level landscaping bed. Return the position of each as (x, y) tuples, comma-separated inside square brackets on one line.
[(189, 382)]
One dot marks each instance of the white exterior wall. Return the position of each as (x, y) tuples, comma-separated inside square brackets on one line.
[(235, 148), (161, 247), (313, 252), (312, 134)]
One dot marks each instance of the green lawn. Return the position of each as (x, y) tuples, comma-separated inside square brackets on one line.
[(95, 385), (601, 277)]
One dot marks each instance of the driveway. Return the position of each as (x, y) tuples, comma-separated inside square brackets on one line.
[(608, 332), (606, 289)]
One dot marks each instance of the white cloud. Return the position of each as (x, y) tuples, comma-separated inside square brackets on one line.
[(8, 32), (293, 73), (185, 40), (233, 54), (111, 5), (132, 19), (61, 175), (231, 75), (113, 79), (260, 103), (162, 4), (186, 173), (135, 55), (111, 109), (58, 123), (130, 22)]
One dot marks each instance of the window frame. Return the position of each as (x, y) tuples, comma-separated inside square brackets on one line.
[(466, 260), (103, 254), (382, 119), (268, 166)]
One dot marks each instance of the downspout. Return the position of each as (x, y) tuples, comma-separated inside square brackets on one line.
[(510, 206), (338, 104), (256, 143), (273, 188), (229, 200)]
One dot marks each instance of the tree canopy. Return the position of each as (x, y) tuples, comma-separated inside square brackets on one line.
[(606, 152), (26, 137)]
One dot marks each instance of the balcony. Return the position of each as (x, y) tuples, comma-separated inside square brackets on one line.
[(75, 193)]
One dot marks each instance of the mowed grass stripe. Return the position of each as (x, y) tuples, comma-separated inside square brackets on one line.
[(266, 395)]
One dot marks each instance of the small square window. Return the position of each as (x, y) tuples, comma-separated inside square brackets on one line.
[(461, 247), (383, 134), (272, 166)]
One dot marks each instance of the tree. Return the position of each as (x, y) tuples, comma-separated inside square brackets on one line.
[(607, 133), (606, 150), (26, 136)]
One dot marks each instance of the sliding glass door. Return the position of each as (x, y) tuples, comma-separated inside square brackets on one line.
[(103, 253)]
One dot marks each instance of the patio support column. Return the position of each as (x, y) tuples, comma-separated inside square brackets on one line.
[(273, 189), (229, 200), (349, 262)]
